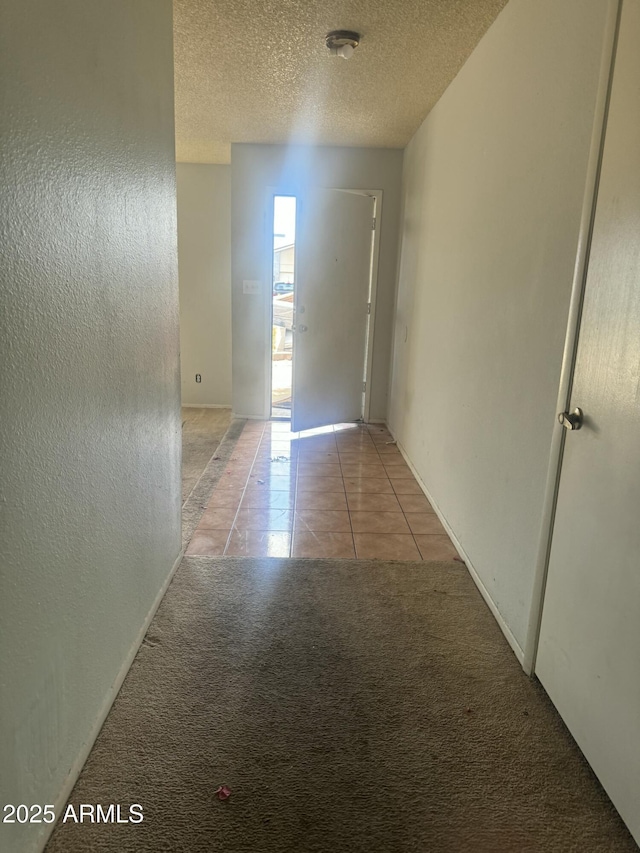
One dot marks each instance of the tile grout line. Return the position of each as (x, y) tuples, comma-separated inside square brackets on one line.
[(292, 510), (405, 516), (361, 447), (295, 497), (414, 534), (346, 500), (295, 490), (335, 449), (244, 489), (353, 535)]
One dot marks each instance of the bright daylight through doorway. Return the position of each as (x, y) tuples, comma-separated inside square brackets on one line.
[(284, 241)]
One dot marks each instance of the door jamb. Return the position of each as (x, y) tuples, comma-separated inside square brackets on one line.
[(572, 334), (373, 278), (271, 193)]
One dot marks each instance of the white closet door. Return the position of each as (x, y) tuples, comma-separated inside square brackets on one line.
[(589, 652)]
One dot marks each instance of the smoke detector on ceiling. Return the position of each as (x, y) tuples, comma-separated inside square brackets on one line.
[(342, 43)]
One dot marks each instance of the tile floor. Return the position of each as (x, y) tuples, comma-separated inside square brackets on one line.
[(342, 491)]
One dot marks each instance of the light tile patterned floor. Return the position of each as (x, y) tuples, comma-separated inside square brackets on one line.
[(342, 491)]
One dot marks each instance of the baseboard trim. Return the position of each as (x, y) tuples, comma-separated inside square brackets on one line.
[(206, 405), (72, 777), (515, 645), (516, 648)]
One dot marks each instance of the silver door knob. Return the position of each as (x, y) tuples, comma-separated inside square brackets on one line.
[(301, 328), (571, 420)]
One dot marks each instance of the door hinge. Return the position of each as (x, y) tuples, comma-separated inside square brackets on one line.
[(368, 308), (364, 386), (373, 224)]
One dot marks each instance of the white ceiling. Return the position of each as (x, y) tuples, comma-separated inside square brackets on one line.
[(259, 71)]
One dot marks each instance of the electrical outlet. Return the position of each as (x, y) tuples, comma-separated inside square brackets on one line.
[(198, 377)]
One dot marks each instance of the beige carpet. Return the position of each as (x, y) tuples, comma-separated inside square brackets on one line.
[(351, 707)]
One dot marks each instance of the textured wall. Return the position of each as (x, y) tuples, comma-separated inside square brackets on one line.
[(492, 193), (90, 429), (257, 169), (204, 261)]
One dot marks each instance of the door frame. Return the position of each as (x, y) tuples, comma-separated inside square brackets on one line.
[(554, 470), (272, 192), (298, 193)]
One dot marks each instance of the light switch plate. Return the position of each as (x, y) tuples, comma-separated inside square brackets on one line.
[(251, 287)]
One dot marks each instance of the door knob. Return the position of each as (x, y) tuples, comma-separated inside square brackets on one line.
[(301, 328), (571, 420)]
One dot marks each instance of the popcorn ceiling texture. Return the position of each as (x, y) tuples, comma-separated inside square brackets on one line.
[(260, 72)]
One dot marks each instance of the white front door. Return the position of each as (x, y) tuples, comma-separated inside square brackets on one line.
[(333, 274), (589, 652)]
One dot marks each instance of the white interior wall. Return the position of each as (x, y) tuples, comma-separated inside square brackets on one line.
[(90, 427), (493, 185), (204, 262), (290, 170)]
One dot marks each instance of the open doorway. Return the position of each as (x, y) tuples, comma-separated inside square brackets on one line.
[(283, 284), (324, 258)]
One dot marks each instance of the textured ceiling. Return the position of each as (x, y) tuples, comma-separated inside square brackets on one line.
[(258, 70)]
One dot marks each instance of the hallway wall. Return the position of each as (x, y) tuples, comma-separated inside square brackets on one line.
[(90, 427), (289, 170), (493, 186), (204, 263)]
